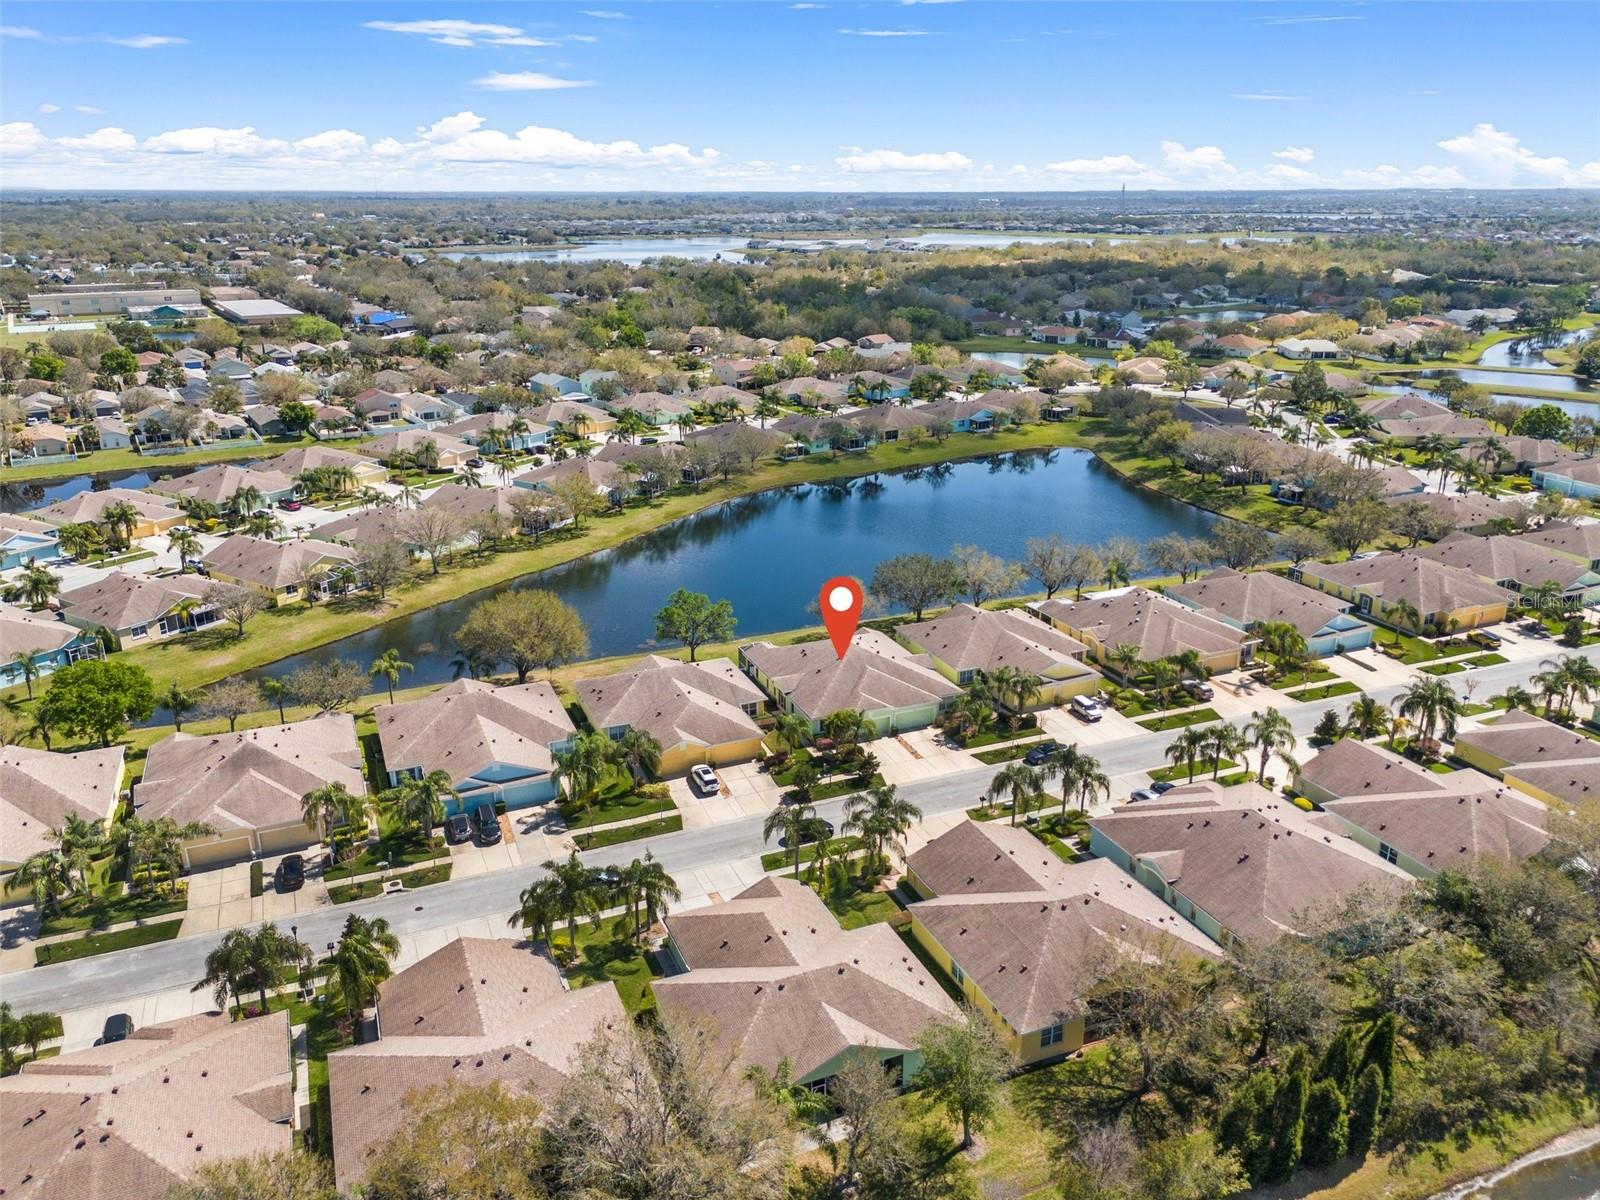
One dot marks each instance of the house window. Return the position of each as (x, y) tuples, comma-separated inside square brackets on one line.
[(1388, 853), (1051, 1036), (966, 677), (957, 973), (139, 631)]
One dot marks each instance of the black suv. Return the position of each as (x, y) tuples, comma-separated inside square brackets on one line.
[(488, 824)]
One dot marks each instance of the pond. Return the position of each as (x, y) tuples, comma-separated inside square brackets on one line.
[(1529, 351), (1571, 1177), (38, 493), (1549, 381), (769, 553), (1573, 408)]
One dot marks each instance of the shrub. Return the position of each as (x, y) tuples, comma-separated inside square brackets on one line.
[(652, 791), (1302, 804), (257, 871)]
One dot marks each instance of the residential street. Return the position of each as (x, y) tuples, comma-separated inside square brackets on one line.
[(727, 852)]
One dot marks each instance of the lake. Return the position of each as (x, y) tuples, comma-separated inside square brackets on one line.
[(38, 493), (1572, 1177), (1549, 381), (1573, 408), (1529, 351), (769, 553)]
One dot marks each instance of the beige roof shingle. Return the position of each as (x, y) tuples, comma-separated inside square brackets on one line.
[(89, 507), (468, 726), (1253, 597), (1541, 753), (253, 779), (40, 789), (1157, 627), (677, 703), (128, 1120), (477, 1011), (24, 632), (876, 673), (269, 564), (966, 638), (120, 600), (1431, 586)]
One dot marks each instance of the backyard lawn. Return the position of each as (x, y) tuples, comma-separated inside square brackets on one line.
[(605, 952)]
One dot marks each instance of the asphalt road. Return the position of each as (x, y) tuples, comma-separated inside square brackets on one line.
[(165, 965)]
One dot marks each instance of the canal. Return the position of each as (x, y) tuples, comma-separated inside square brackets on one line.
[(769, 552)]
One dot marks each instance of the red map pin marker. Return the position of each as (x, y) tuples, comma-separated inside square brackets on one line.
[(841, 610)]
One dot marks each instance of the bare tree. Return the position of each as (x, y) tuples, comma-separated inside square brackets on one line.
[(382, 564), (329, 686), (232, 698), (234, 603), (433, 531)]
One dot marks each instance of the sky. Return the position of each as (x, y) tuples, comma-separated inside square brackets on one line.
[(895, 95)]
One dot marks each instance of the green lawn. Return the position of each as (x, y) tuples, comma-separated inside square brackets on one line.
[(103, 911), (366, 889), (859, 903), (105, 943), (1005, 753), (131, 460), (605, 953), (618, 834), (1328, 690), (1180, 720), (774, 859), (621, 803), (995, 737), (1180, 773), (1294, 679), (1462, 664), (398, 850)]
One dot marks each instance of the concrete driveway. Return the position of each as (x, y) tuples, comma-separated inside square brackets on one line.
[(747, 791)]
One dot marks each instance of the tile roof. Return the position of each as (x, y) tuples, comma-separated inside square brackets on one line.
[(875, 673), (1256, 863), (128, 1120), (251, 779), (468, 726), (677, 703), (477, 1010), (779, 979)]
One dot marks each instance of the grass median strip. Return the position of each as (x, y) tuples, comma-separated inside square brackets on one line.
[(1180, 720), (366, 889), (105, 943), (1328, 690), (617, 834)]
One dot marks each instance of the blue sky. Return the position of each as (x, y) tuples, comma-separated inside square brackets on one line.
[(896, 95)]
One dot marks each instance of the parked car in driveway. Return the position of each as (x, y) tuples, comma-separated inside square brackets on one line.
[(704, 780), (1086, 709), (289, 505), (458, 829), (1198, 688), (118, 1028), (487, 823), (1485, 639), (291, 873), (1144, 793)]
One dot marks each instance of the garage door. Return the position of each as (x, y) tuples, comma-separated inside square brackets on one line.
[(215, 854), (280, 841)]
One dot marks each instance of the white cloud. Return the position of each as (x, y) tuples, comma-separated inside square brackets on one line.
[(1425, 92), (1203, 160), (1311, 20), (18, 139), (102, 139), (88, 109), (603, 14), (1264, 97), (1501, 157), (526, 81), (806, 7), (451, 31), (1389, 175), (580, 37), (142, 41), (26, 32), (870, 161), (49, 108), (909, 3), (1284, 173), (1110, 164), (1299, 154), (333, 143), (884, 33), (211, 140)]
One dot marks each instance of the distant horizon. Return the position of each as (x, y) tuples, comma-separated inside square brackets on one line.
[(1109, 193)]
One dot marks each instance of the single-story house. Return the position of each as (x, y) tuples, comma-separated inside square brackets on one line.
[(965, 641), (1250, 599), (310, 458), (46, 439), (550, 382), (24, 540), (658, 408), (606, 477), (1444, 595), (139, 607), (248, 785), (1421, 822), (1152, 624), (1309, 348), (1026, 937), (135, 1119), (1408, 431), (1517, 564), (1238, 862), (895, 689), (780, 981), (1580, 542), (495, 743), (275, 568), (1580, 479), (475, 1011), (220, 483), (1056, 335), (113, 433), (573, 416), (1240, 345), (40, 789), (47, 643), (699, 712), (452, 452), (513, 432), (1546, 761)]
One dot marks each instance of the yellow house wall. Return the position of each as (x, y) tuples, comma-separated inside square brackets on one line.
[(679, 759), (1538, 793), (1481, 759)]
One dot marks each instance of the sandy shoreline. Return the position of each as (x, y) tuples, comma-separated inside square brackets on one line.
[(1574, 1141)]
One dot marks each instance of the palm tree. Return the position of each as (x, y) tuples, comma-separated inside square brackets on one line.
[(389, 664), (1285, 643), (1087, 780), (1188, 748), (656, 888), (1402, 612), (277, 691), (638, 752), (185, 543), (882, 818), (179, 702), (80, 540), (1433, 706), (1271, 733), (1024, 784), (792, 730), (1367, 718), (421, 802), (791, 823), (247, 500), (48, 875), (360, 964), (1224, 741), (1517, 697), (227, 968), (1125, 658), (1163, 678), (536, 910), (268, 953), (120, 520), (1543, 597), (1014, 689), (323, 807), (22, 662), (576, 893), (848, 727), (583, 768), (37, 585), (1191, 665)]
